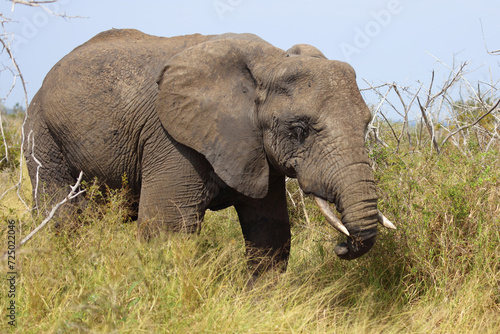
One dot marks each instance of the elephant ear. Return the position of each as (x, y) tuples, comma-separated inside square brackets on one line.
[(207, 101), (305, 50)]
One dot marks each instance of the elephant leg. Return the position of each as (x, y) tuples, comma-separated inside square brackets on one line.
[(49, 170), (266, 228), (175, 190)]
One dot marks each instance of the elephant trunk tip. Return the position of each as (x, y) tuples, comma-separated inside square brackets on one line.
[(353, 247)]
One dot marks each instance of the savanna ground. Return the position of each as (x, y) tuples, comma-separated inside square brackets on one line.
[(439, 272)]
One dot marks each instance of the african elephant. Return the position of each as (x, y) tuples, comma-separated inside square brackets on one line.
[(205, 122)]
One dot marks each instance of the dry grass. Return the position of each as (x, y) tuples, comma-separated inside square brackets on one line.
[(438, 273)]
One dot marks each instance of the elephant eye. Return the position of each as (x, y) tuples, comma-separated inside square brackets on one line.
[(299, 132)]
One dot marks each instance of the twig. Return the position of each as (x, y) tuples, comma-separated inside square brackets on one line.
[(429, 126), (472, 124), (385, 118), (304, 207), (316, 230), (290, 194), (32, 3), (374, 116), (4, 139), (389, 102), (376, 87), (458, 74), (16, 72), (41, 4), (71, 195), (39, 165), (494, 53), (495, 136), (407, 111), (7, 49)]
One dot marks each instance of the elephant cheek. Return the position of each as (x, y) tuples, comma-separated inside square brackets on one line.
[(310, 185), (307, 186)]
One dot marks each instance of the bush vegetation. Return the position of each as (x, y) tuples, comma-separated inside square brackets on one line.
[(438, 273)]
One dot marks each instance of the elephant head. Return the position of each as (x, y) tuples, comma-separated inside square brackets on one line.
[(252, 109)]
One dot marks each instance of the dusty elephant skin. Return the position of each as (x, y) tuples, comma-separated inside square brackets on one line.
[(205, 122)]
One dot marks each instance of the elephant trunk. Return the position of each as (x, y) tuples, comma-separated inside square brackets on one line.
[(352, 188), (357, 203), (360, 238)]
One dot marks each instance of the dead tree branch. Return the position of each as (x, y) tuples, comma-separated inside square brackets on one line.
[(17, 73), (429, 101), (43, 5), (71, 195), (4, 139), (472, 124), (406, 111), (383, 99), (371, 127), (304, 207), (5, 43), (494, 53), (429, 126)]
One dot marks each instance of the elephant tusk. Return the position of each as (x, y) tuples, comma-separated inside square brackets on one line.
[(385, 222), (330, 216)]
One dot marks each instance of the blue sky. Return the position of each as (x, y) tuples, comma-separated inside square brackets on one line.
[(384, 40)]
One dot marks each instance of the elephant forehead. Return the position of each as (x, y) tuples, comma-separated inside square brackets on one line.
[(337, 76), (332, 70), (347, 104), (340, 104)]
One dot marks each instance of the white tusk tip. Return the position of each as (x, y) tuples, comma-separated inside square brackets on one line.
[(330, 217), (385, 222)]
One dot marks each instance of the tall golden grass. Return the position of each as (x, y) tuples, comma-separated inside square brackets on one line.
[(438, 273)]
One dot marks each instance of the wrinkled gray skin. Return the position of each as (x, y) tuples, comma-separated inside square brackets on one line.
[(205, 122)]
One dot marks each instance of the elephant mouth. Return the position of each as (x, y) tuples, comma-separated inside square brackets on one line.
[(351, 248)]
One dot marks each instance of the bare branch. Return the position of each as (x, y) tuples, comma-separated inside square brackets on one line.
[(472, 124), (494, 53), (461, 118), (449, 83), (374, 116), (71, 195), (42, 4), (17, 73), (304, 206), (385, 118), (4, 139), (495, 136), (406, 111), (39, 165), (290, 194), (376, 87), (429, 126), (372, 128), (32, 3), (389, 102)]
